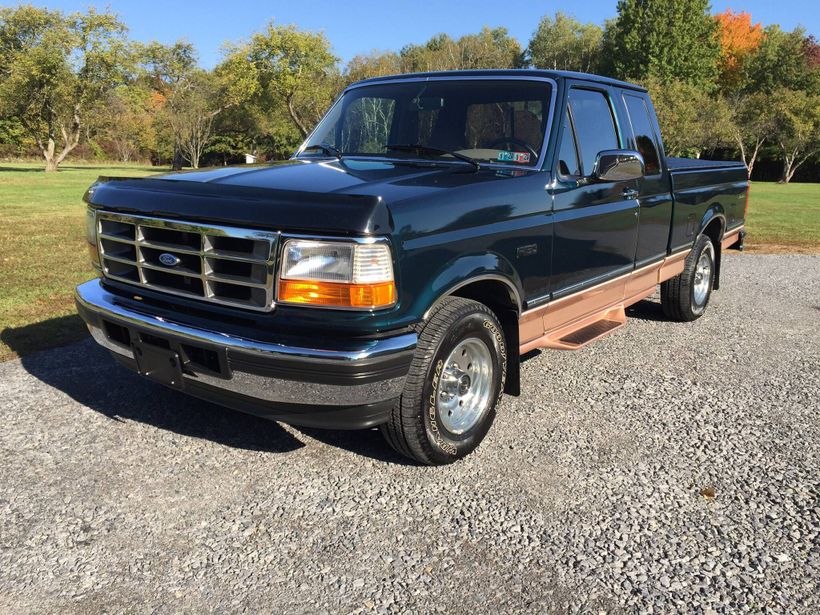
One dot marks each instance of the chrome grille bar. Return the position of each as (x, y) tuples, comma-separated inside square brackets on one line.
[(218, 264)]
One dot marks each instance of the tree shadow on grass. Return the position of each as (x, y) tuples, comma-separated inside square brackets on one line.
[(70, 167), (88, 374), (41, 169)]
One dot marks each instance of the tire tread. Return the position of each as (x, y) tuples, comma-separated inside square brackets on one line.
[(404, 431), (675, 299)]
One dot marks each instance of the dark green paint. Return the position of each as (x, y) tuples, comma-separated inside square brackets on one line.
[(447, 223)]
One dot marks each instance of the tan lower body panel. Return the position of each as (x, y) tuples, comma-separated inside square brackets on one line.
[(574, 321), (730, 238)]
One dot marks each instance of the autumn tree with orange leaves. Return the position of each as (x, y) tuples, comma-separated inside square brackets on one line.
[(739, 38)]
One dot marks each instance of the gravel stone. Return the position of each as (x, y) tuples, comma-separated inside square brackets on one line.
[(587, 496)]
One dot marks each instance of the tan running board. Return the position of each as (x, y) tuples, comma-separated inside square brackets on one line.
[(573, 321), (586, 331)]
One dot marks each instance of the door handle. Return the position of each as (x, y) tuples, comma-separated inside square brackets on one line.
[(630, 193)]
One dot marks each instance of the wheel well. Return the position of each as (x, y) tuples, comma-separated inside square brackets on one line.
[(714, 231), (497, 296)]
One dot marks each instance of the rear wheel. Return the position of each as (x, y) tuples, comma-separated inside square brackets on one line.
[(685, 297), (455, 381)]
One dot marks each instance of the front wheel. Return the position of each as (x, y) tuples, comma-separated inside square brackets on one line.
[(685, 297), (455, 381)]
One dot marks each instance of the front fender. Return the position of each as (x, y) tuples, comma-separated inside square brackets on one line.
[(466, 269)]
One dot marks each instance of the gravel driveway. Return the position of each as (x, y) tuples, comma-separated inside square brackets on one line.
[(669, 467)]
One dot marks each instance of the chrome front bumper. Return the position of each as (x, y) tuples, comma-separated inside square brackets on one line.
[(350, 386)]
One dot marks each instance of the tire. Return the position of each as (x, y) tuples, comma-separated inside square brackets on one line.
[(684, 298), (444, 411)]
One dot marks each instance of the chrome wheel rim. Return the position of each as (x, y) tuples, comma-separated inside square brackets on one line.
[(463, 395), (703, 276)]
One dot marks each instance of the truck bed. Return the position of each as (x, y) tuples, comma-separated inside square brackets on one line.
[(702, 189), (699, 164)]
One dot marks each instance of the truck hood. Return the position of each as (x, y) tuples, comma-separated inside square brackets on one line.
[(344, 196)]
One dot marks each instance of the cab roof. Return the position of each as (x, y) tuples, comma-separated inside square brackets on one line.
[(507, 72)]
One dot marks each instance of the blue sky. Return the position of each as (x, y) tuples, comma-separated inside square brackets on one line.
[(358, 27)]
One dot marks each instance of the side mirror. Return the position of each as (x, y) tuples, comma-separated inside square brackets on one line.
[(616, 165)]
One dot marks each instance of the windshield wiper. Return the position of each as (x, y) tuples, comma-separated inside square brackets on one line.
[(427, 149), (327, 148)]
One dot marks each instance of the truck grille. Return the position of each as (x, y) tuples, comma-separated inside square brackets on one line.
[(219, 264)]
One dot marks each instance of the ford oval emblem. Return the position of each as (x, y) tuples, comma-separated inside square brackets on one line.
[(169, 260)]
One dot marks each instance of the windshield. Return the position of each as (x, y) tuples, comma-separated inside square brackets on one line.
[(501, 121)]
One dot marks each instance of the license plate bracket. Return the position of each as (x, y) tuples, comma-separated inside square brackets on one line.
[(158, 364)]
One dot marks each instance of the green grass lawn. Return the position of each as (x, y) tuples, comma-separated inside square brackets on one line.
[(43, 253), (784, 218)]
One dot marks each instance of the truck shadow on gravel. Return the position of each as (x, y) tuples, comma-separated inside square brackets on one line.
[(647, 309), (87, 374)]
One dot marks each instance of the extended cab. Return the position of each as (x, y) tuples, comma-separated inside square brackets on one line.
[(430, 231)]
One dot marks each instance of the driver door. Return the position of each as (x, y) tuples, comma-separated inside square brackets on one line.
[(595, 223)]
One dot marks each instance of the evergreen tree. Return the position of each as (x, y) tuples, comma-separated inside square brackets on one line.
[(663, 39)]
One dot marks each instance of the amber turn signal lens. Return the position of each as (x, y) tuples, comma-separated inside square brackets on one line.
[(335, 294)]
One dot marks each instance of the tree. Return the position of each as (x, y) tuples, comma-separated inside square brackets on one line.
[(167, 67), (489, 48), (190, 113), (782, 60), (798, 129), (54, 68), (374, 64), (260, 127), (739, 38), (224, 147), (168, 70), (811, 51), (128, 121), (190, 98), (754, 124), (692, 121), (565, 43), (191, 109), (663, 39), (292, 67), (14, 139)]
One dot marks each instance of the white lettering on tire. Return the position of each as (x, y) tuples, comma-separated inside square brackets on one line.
[(502, 350)]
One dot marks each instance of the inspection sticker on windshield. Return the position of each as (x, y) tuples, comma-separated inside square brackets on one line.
[(520, 157)]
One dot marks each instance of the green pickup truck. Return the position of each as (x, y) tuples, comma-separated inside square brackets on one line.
[(430, 231)]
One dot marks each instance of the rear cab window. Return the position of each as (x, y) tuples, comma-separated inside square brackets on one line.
[(645, 141)]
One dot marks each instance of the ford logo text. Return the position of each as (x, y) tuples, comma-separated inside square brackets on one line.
[(169, 260)]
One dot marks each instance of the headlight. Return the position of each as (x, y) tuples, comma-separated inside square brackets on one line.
[(91, 236), (337, 274)]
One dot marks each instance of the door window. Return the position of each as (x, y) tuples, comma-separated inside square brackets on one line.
[(568, 153), (594, 126), (645, 141)]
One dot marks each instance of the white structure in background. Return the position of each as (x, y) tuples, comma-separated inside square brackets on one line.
[(250, 159)]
